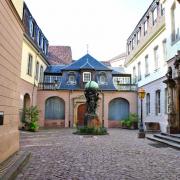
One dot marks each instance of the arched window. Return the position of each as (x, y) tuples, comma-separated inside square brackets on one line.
[(54, 108), (118, 109)]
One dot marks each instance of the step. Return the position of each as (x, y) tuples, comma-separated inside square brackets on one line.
[(168, 138), (172, 144), (172, 135), (11, 167)]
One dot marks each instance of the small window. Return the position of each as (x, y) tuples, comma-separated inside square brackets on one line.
[(146, 65), (145, 27), (71, 79), (156, 57), (148, 104), (164, 49), (38, 36), (158, 102), (32, 28), (154, 16), (41, 74), (162, 10), (29, 65), (138, 36), (134, 75), (37, 71), (102, 78), (86, 76), (139, 71), (42, 42)]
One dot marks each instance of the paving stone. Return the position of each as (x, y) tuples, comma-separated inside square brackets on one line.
[(59, 154)]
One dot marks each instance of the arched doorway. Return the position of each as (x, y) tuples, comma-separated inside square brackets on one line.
[(81, 110), (118, 109), (54, 109)]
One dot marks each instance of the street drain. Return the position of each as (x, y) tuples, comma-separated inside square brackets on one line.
[(158, 145)]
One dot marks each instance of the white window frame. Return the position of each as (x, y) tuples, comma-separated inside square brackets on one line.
[(155, 15), (84, 76)]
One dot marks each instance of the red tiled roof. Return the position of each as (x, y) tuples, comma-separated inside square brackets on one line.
[(59, 55)]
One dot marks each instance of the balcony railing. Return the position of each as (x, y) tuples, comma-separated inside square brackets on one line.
[(126, 87), (47, 86)]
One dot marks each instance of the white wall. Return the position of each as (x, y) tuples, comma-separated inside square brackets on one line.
[(172, 47)]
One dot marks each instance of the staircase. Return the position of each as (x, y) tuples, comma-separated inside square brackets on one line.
[(172, 140)]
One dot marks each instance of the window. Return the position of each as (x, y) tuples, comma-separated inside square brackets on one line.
[(86, 76), (156, 58), (133, 42), (139, 71), (164, 49), (154, 16), (146, 65), (44, 45), (145, 27), (134, 74), (71, 78), (129, 47), (102, 78), (32, 28), (158, 101), (41, 74), (42, 42), (162, 10), (38, 36), (138, 36), (37, 70), (29, 67), (174, 23), (148, 110), (39, 42)]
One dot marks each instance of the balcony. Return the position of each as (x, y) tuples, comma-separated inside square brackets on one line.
[(48, 86), (126, 87)]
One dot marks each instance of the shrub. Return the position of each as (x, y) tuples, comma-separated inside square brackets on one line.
[(131, 122), (30, 120), (91, 131)]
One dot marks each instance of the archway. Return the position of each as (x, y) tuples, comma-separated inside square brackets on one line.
[(54, 109), (81, 110), (118, 109)]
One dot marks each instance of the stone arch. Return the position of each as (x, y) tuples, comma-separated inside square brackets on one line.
[(54, 108), (118, 109)]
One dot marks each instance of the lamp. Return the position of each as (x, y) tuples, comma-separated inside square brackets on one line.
[(141, 94)]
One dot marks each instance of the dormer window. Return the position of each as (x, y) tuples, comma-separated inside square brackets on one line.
[(86, 76), (154, 14), (102, 78), (71, 78), (32, 28), (145, 27)]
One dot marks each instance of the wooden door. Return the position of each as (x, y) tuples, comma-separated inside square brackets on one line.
[(80, 114)]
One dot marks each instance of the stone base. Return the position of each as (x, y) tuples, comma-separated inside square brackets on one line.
[(94, 123), (141, 135)]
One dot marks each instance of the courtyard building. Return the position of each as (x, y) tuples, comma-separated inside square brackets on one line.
[(11, 37), (61, 99), (147, 62), (34, 60)]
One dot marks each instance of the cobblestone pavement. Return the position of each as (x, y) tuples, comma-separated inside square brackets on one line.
[(58, 154)]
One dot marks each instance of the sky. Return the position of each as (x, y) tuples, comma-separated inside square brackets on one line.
[(104, 25)]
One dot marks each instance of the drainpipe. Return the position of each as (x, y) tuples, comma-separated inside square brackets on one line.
[(102, 108)]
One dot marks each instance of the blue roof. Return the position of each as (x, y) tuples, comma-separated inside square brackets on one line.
[(87, 62), (55, 69)]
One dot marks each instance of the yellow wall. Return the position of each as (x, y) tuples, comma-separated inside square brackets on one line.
[(19, 6), (26, 50)]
